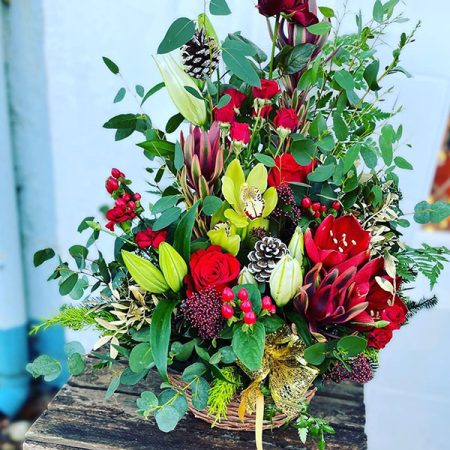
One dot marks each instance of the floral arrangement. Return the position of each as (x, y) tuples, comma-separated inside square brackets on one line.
[(272, 261)]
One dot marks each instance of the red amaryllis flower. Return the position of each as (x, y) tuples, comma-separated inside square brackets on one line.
[(267, 91), (287, 170), (240, 132), (150, 238), (211, 268), (286, 118), (338, 243), (332, 299), (379, 338)]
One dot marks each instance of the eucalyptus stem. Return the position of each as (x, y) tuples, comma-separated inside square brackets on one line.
[(274, 43)]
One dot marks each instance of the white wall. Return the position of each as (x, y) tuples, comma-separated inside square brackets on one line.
[(408, 401)]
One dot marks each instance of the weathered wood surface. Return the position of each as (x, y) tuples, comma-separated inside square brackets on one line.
[(80, 418)]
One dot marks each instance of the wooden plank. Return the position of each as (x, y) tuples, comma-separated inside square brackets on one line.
[(80, 418)]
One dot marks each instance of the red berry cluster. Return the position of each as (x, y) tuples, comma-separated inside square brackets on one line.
[(126, 203), (245, 305), (316, 209)]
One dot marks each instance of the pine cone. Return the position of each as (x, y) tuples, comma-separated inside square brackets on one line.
[(268, 251), (200, 55)]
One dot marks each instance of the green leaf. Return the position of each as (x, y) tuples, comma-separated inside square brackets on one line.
[(316, 353), (121, 121), (183, 352), (302, 326), (113, 67), (211, 205), (167, 418), (224, 100), (140, 90), (180, 32), (369, 156), (254, 295), (120, 95), (147, 401), (193, 371), (183, 233), (76, 364), (345, 80), (168, 217), (179, 157), (84, 225), (249, 345), (160, 334), (157, 148), (152, 91), (339, 126), (43, 255), (79, 253), (402, 163), (322, 173), (200, 393), (378, 11), (298, 58), (351, 156), (141, 335), (318, 126), (320, 28), (303, 151), (68, 284), (228, 355), (141, 357), (73, 347), (129, 378), (387, 151), (165, 203), (371, 75), (352, 346), (233, 54), (425, 212), (272, 323), (174, 398), (219, 8), (174, 122), (112, 388), (267, 160), (45, 366), (327, 12), (194, 92)]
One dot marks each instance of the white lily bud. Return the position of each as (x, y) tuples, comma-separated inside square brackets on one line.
[(297, 245), (245, 277), (285, 280)]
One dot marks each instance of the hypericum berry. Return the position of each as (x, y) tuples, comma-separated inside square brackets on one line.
[(137, 196), (316, 206), (336, 206), (112, 185), (273, 309), (116, 173), (306, 202), (246, 306), (227, 295), (323, 208), (317, 215), (266, 303), (227, 311), (250, 318), (131, 205), (243, 294), (126, 197)]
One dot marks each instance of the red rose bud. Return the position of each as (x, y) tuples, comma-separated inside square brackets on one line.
[(225, 114), (267, 303), (287, 119), (240, 132), (379, 337), (395, 315), (336, 206), (116, 173), (268, 90), (227, 311), (112, 185), (316, 206), (306, 202), (227, 295), (137, 196), (302, 15), (250, 318), (246, 306), (243, 294)]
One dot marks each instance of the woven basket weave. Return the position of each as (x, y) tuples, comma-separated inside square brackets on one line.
[(233, 422)]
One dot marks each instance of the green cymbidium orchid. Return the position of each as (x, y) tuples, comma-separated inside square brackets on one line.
[(250, 200), (225, 236)]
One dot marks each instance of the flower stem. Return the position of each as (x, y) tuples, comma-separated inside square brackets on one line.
[(274, 43)]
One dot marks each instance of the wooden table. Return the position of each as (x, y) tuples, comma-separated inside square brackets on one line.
[(80, 418)]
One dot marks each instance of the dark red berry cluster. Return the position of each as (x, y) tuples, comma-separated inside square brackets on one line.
[(317, 209), (230, 303)]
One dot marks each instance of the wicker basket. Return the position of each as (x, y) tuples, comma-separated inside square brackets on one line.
[(233, 422)]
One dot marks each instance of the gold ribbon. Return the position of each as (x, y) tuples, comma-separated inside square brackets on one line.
[(289, 378)]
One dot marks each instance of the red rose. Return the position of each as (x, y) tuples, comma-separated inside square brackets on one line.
[(303, 16), (226, 114), (111, 185), (265, 111), (299, 10), (287, 170), (286, 118), (211, 268), (379, 337), (338, 243), (237, 97), (240, 132), (395, 315), (150, 238), (267, 91)]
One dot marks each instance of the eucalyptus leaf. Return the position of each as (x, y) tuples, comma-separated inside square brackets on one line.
[(180, 32)]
